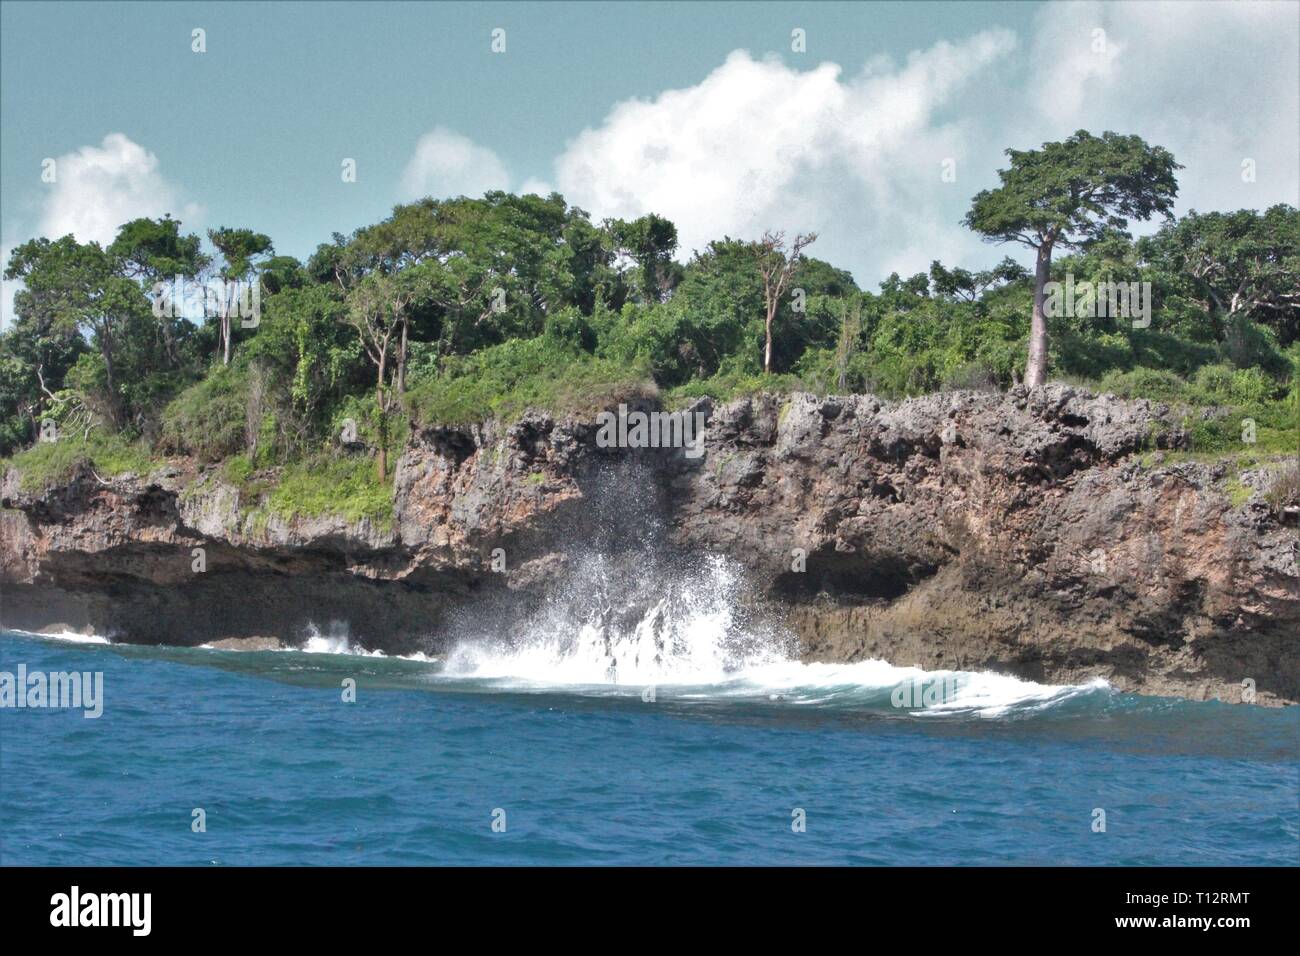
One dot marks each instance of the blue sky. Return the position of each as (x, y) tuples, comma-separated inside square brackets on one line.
[(702, 112)]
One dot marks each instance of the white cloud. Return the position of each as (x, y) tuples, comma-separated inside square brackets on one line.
[(1215, 83), (855, 157), (760, 145), (100, 187), (96, 189), (447, 164)]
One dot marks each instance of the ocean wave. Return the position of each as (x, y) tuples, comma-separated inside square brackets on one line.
[(685, 638), (336, 639), (71, 637), (873, 685), (685, 633)]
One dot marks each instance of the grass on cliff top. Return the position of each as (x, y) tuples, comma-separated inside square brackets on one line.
[(727, 386), (323, 485), (506, 380), (47, 464), (326, 486)]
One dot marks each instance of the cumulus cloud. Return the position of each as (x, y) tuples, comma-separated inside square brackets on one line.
[(856, 155), (760, 145), (95, 190), (447, 164), (100, 187), (1215, 83)]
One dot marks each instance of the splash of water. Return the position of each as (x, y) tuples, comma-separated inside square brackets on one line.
[(686, 632), (609, 626)]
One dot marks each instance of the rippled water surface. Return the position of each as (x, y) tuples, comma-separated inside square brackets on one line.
[(709, 766)]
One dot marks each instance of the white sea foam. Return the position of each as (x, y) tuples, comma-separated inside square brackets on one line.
[(72, 637), (691, 643), (683, 633), (336, 639)]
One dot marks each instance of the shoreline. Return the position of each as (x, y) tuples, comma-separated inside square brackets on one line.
[(1036, 535)]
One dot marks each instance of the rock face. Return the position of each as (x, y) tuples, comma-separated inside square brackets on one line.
[(1028, 533)]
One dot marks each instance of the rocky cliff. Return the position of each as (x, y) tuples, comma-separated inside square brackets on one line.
[(1040, 534)]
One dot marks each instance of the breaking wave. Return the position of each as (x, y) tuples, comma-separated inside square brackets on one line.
[(638, 625), (688, 634)]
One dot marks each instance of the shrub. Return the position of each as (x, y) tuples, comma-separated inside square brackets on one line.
[(503, 381), (208, 420), (1283, 489), (1154, 384), (326, 485), (729, 385)]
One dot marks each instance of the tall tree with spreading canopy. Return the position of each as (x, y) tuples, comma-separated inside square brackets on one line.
[(154, 251), (1067, 194), (649, 242)]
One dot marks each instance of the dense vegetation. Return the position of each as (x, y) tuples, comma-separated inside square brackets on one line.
[(452, 311)]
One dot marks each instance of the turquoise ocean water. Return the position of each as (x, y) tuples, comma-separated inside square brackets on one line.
[(572, 770)]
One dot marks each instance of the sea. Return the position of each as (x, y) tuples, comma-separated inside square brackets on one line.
[(679, 737)]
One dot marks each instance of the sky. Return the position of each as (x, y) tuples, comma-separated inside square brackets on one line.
[(872, 124)]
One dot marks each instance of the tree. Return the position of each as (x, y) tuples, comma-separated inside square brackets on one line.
[(777, 269), (960, 283), (153, 251), (74, 287), (1238, 263), (649, 242), (1067, 194), (239, 247), (35, 355), (378, 309), (850, 329)]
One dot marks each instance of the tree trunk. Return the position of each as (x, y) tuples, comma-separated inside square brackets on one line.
[(106, 350), (767, 350), (401, 364), (1036, 369), (225, 337), (381, 459)]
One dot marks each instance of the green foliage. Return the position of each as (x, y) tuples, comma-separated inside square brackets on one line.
[(483, 307), (1239, 263), (505, 380), (363, 414), (208, 419), (237, 470), (47, 464), (1075, 190), (1225, 385), (1237, 491), (733, 383), (1155, 384), (329, 486)]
